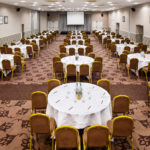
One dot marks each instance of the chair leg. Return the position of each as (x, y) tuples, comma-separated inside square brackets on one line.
[(146, 76), (128, 72), (132, 144), (30, 142), (1, 75), (12, 74)]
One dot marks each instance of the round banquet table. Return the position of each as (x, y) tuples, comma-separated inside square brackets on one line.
[(144, 59), (75, 47), (81, 60), (120, 48), (22, 48), (93, 108), (77, 40)]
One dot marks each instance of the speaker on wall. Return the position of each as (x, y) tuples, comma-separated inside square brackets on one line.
[(102, 14), (18, 9), (48, 14), (133, 9)]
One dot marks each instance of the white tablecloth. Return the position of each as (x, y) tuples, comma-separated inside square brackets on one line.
[(77, 41), (120, 48), (76, 48), (81, 60), (22, 48), (93, 108), (10, 57), (143, 59)]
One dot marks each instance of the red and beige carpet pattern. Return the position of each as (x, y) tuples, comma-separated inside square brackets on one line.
[(15, 101)]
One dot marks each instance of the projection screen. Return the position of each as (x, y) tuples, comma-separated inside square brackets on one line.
[(75, 18)]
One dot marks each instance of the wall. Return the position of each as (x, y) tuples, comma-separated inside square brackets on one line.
[(57, 20), (11, 32), (99, 21), (43, 21), (128, 28)]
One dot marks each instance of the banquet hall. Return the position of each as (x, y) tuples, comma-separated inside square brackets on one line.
[(75, 74)]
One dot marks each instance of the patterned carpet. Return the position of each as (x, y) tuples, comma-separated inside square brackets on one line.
[(15, 102)]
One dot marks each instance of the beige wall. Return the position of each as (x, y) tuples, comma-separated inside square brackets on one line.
[(53, 20), (98, 21), (43, 21), (140, 17)]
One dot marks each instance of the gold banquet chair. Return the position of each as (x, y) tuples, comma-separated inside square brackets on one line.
[(121, 126), (62, 55), (52, 83), (71, 71), (67, 137), (30, 52), (38, 101), (122, 60), (133, 65), (96, 136), (98, 58), (96, 68), (71, 51), (6, 65), (81, 51), (41, 124), (105, 84), (146, 70), (92, 55), (121, 104), (18, 61), (84, 71)]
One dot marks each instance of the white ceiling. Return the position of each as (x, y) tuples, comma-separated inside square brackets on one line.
[(74, 5)]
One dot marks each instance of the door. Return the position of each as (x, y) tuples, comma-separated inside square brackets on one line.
[(22, 30), (139, 33), (117, 28)]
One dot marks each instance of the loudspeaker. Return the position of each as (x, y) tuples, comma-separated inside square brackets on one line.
[(48, 14), (102, 15), (133, 9), (18, 9)]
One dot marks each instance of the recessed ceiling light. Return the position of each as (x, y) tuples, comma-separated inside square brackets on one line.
[(22, 1)]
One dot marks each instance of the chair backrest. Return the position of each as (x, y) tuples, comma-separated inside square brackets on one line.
[(84, 70), (98, 58), (113, 48), (6, 64), (74, 42), (88, 49), (17, 49), (121, 104), (29, 49), (136, 49), (58, 67), (123, 58), (97, 66), (134, 63), (17, 60), (122, 41), (27, 42), (34, 41), (71, 70), (148, 52), (127, 48), (2, 50), (144, 48), (117, 41), (97, 136), (61, 55), (55, 58), (92, 55), (13, 43), (105, 84), (62, 49), (35, 47), (9, 50), (80, 42), (71, 51), (126, 52), (40, 123), (41, 42), (39, 100), (52, 83), (81, 51), (122, 126), (67, 137)]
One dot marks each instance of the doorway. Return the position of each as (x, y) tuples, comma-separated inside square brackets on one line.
[(139, 33), (117, 28), (22, 31)]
